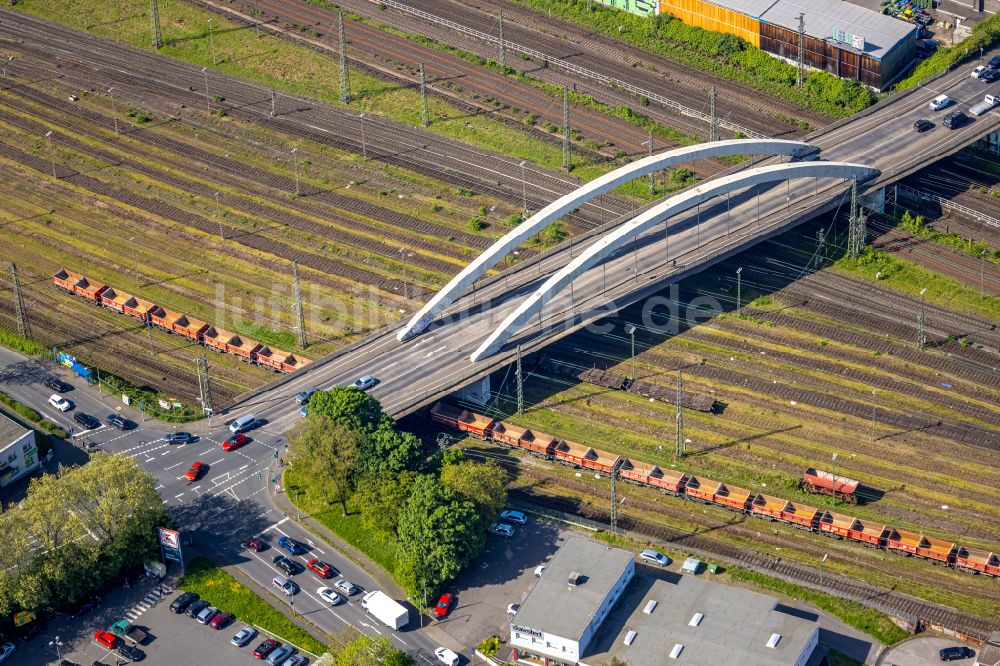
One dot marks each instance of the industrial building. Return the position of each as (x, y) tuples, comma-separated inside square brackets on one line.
[(989, 653), (590, 606), (841, 38), (18, 452)]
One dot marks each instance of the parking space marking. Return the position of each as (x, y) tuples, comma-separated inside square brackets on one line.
[(167, 469), (217, 461), (178, 496)]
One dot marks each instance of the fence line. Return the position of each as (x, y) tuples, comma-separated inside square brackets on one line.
[(946, 204)]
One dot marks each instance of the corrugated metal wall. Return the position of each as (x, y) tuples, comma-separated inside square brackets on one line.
[(821, 54), (711, 17)]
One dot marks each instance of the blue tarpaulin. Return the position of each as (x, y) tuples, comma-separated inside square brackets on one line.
[(80, 370)]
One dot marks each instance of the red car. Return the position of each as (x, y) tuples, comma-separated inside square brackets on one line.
[(321, 568), (196, 469), (107, 639), (235, 442), (444, 605), (265, 648), (222, 620), (254, 544)]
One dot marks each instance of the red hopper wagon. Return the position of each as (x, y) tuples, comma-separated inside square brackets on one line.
[(716, 492), (855, 529), (580, 455), (80, 285), (977, 561), (461, 419), (826, 483), (534, 442), (775, 508), (278, 359), (652, 475)]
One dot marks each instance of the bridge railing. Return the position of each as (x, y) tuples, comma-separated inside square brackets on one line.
[(573, 67), (946, 204)]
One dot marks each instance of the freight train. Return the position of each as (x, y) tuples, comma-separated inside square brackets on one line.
[(201, 332), (734, 498)]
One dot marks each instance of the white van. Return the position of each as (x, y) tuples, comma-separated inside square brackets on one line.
[(939, 102), (446, 656), (285, 585), (243, 423)]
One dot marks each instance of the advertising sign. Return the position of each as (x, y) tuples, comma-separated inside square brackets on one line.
[(170, 538)]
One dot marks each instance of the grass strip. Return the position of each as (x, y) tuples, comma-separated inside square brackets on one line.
[(22, 344), (226, 593), (874, 623)]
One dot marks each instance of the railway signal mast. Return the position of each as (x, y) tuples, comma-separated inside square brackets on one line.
[(679, 445), (713, 126), (520, 387), (23, 329), (425, 117), (921, 334), (154, 13), (566, 165), (345, 88), (204, 387), (802, 34), (856, 231), (503, 46), (298, 305)]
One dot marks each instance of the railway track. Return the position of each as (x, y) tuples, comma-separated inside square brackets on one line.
[(596, 53), (171, 88)]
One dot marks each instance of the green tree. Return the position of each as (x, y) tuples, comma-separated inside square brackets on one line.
[(368, 651), (438, 534), (328, 451), (348, 407), (387, 451), (483, 484), (380, 500)]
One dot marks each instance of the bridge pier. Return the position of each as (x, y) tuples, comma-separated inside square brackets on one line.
[(990, 142), (875, 200), (478, 392)]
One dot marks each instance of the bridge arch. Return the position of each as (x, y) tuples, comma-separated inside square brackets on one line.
[(623, 234), (555, 210)]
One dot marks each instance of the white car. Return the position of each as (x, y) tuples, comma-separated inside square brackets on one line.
[(7, 649), (329, 595), (539, 570), (364, 383), (503, 529), (346, 587), (243, 636), (515, 517), (512, 609), (939, 102), (446, 656), (654, 557), (60, 403), (978, 71)]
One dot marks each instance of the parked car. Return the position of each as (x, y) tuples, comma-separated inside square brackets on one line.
[(515, 517), (328, 595), (939, 102), (183, 601), (296, 660), (196, 469), (6, 650), (255, 544), (243, 636), (235, 442), (990, 75), (321, 568), (266, 647), (539, 570), (86, 420), (291, 545), (195, 607), (654, 557), (178, 438), (107, 639), (60, 403), (303, 396), (512, 609), (956, 652), (444, 605), (131, 653), (118, 421), (446, 656), (346, 586), (503, 529), (57, 385), (288, 566), (222, 620), (364, 383), (923, 125), (281, 653), (978, 71)]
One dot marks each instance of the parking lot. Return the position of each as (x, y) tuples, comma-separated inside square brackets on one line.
[(173, 639)]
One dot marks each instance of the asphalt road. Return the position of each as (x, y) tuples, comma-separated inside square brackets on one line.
[(225, 505)]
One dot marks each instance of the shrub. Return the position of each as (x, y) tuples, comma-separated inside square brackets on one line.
[(490, 646), (475, 224)]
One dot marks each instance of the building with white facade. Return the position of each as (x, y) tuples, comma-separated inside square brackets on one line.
[(580, 586), (18, 451), (647, 621)]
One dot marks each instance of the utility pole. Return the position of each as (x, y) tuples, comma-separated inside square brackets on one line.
[(982, 272), (114, 110), (856, 231), (802, 34), (298, 305), (295, 163), (503, 46), (630, 329), (425, 117), (218, 215), (52, 153), (713, 128), (345, 89), (614, 494), (820, 248), (23, 329), (204, 387), (520, 387), (274, 102), (679, 446), (566, 127), (739, 286), (154, 13), (874, 432), (211, 42), (208, 98), (652, 183), (921, 334)]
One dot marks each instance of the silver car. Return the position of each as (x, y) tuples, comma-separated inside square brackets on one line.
[(346, 587), (243, 636), (206, 615), (282, 653), (364, 383), (296, 660)]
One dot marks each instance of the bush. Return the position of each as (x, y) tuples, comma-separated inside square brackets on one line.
[(983, 36), (24, 345), (490, 646), (475, 224)]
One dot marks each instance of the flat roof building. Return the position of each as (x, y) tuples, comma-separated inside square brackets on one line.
[(18, 452), (989, 653), (647, 621)]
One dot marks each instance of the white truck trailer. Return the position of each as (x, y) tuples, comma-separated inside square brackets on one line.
[(989, 101), (389, 612)]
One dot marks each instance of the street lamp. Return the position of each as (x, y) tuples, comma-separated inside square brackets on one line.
[(57, 644), (114, 112), (739, 287), (295, 162), (524, 191), (921, 335), (630, 329), (208, 98), (650, 144), (218, 215), (52, 153), (364, 148)]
